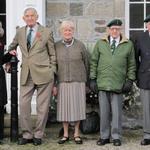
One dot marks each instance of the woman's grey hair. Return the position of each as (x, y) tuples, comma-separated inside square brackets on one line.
[(32, 9), (67, 23)]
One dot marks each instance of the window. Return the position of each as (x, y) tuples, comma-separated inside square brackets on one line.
[(138, 10), (3, 17)]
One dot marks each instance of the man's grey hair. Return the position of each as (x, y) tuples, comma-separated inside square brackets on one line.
[(32, 9)]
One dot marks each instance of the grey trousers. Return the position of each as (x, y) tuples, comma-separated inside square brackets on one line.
[(145, 98), (110, 115), (42, 107)]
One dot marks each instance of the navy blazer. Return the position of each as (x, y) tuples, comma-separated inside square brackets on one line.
[(142, 49)]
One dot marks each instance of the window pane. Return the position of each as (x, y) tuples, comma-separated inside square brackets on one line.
[(134, 35), (2, 6), (3, 21), (136, 0), (136, 15), (148, 0), (147, 9)]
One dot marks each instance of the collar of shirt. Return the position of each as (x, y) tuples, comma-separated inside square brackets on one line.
[(35, 29), (117, 40), (68, 45)]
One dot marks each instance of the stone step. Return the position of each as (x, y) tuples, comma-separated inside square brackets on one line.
[(7, 120)]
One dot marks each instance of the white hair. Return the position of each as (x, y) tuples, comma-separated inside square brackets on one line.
[(32, 9), (67, 23)]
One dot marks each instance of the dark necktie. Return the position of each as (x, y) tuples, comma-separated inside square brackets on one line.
[(29, 36), (113, 46)]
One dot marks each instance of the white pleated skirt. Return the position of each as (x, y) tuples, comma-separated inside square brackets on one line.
[(71, 105)]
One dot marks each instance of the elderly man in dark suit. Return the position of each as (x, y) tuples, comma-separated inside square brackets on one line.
[(37, 72), (3, 91), (142, 47)]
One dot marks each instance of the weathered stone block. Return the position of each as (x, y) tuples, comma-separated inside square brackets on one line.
[(100, 29), (84, 29), (57, 9), (119, 8), (100, 22), (103, 8), (76, 9)]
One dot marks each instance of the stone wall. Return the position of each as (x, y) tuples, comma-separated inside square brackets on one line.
[(89, 16)]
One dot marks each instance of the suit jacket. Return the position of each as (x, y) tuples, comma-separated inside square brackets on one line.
[(3, 59), (142, 48), (40, 59)]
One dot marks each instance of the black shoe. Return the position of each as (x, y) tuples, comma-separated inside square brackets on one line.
[(23, 141), (63, 140), (5, 112), (1, 142), (78, 140), (145, 142), (37, 141), (117, 142), (103, 141)]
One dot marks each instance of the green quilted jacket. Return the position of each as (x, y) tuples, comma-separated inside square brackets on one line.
[(112, 70)]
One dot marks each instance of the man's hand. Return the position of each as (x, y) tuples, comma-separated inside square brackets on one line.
[(54, 91), (13, 52), (8, 67), (127, 86), (93, 85)]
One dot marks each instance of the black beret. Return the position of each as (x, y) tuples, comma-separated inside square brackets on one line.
[(115, 22), (147, 19)]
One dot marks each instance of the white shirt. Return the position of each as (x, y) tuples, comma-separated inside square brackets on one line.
[(35, 28), (68, 45), (117, 41)]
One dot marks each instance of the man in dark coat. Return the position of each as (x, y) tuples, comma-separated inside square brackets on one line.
[(142, 47), (3, 92)]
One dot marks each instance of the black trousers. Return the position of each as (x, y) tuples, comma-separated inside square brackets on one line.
[(1, 122)]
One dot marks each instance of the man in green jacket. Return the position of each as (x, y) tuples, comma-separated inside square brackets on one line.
[(112, 73)]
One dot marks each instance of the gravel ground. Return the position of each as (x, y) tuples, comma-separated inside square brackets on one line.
[(131, 141)]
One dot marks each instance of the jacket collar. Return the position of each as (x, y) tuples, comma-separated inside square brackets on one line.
[(106, 37), (38, 35)]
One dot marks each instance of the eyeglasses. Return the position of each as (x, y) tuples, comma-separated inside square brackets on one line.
[(114, 28)]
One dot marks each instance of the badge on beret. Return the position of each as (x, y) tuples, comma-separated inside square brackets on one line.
[(115, 22)]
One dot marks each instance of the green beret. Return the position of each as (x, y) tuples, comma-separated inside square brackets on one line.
[(147, 19), (115, 22)]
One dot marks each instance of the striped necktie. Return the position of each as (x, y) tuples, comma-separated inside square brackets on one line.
[(29, 36), (113, 46)]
